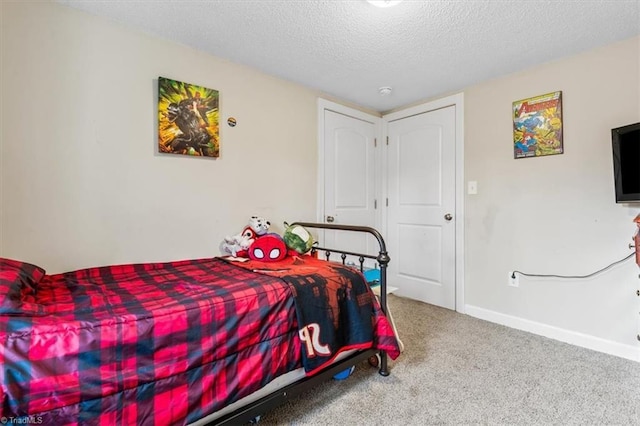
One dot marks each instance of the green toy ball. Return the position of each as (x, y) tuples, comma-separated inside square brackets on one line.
[(297, 238)]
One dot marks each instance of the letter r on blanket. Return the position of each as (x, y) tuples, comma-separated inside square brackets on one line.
[(310, 336)]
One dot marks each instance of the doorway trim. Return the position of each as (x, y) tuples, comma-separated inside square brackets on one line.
[(456, 100), (324, 104)]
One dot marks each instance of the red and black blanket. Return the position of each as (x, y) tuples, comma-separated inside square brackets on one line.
[(155, 343), (168, 343), (335, 308)]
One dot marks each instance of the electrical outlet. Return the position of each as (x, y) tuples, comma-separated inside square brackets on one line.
[(514, 279)]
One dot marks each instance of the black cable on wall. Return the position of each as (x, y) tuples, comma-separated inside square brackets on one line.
[(513, 274)]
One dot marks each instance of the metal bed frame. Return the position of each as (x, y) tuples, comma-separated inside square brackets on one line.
[(255, 409)]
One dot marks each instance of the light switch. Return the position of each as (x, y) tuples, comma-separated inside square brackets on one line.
[(472, 187)]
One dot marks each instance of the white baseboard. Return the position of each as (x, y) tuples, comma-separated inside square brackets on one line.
[(567, 336)]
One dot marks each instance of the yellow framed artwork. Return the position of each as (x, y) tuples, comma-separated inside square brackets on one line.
[(537, 126), (188, 120)]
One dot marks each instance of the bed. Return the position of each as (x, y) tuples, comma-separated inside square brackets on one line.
[(205, 341)]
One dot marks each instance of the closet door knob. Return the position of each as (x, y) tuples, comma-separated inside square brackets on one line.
[(448, 217), (330, 219)]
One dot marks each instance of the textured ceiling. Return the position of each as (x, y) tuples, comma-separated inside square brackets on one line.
[(349, 48)]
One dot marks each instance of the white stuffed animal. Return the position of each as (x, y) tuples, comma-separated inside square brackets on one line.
[(238, 245), (259, 225)]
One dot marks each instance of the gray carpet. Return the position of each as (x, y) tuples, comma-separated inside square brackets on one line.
[(458, 370)]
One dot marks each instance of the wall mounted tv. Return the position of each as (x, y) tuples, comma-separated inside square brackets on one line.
[(626, 162)]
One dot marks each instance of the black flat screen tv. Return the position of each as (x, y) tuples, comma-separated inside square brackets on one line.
[(626, 162)]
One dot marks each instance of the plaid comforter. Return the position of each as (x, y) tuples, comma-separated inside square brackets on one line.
[(155, 344), (160, 343)]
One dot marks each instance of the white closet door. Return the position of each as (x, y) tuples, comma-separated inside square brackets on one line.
[(420, 216), (350, 177)]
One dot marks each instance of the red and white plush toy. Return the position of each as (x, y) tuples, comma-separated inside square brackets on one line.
[(268, 248), (238, 245)]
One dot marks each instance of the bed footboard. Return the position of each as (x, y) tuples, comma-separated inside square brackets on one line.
[(276, 398), (382, 257)]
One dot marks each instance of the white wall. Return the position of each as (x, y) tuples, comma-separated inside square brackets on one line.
[(81, 182), (555, 214)]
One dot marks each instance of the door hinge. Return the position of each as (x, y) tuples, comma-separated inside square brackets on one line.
[(375, 204), (375, 142), (387, 140), (387, 202)]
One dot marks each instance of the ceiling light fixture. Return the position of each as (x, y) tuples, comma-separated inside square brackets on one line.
[(384, 3), (384, 91)]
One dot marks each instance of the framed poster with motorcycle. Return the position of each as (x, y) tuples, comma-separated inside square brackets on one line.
[(187, 119)]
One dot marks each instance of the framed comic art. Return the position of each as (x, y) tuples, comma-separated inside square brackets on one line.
[(187, 119), (537, 126)]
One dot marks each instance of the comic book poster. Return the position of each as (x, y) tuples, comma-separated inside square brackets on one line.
[(537, 126), (187, 119)]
